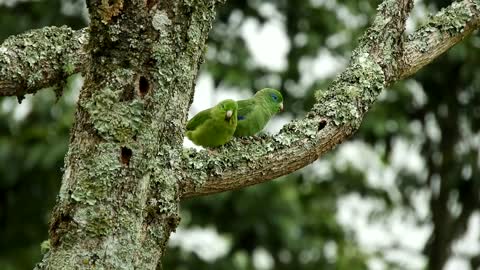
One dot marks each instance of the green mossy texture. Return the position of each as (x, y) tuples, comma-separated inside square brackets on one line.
[(114, 214), (343, 104), (112, 117), (454, 18), (28, 59), (451, 21), (128, 206), (372, 67)]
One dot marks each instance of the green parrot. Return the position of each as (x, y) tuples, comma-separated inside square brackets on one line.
[(215, 126), (254, 113)]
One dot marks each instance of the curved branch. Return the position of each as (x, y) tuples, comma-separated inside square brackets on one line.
[(40, 58), (336, 115), (379, 60), (43, 57), (263, 159), (447, 28)]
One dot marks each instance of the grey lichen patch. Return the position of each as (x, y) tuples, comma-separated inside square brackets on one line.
[(31, 59), (163, 54), (45, 246), (162, 171), (195, 33), (454, 18), (89, 193), (161, 21), (101, 208), (353, 91), (114, 32), (99, 171), (196, 165), (117, 247), (96, 220), (305, 128), (165, 181), (450, 20), (111, 117)]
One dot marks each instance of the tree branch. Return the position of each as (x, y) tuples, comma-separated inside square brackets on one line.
[(380, 59), (335, 116), (447, 28), (40, 58), (23, 70)]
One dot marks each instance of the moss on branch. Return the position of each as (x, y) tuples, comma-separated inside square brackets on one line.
[(376, 63), (40, 58)]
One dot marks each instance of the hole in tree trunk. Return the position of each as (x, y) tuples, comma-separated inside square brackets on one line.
[(322, 124), (126, 154), (143, 86)]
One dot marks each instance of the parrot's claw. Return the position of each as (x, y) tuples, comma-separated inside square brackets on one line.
[(212, 151), (244, 140)]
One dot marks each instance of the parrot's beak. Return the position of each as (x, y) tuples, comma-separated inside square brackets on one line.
[(228, 115), (281, 106)]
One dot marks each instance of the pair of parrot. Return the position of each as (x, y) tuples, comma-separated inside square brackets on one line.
[(216, 126)]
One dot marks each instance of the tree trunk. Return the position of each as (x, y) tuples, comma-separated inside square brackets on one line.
[(118, 201)]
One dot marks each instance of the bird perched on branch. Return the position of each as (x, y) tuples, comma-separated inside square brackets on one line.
[(215, 126), (254, 113)]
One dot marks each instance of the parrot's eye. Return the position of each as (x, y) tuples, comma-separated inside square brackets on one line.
[(274, 97)]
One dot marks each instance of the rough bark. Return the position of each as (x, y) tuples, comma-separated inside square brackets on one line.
[(338, 110), (440, 33), (118, 202), (40, 59), (125, 170), (64, 53)]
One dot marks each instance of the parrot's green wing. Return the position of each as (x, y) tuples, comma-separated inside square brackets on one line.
[(245, 108), (250, 118), (198, 119)]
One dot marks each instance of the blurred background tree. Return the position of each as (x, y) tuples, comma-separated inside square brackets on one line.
[(402, 194)]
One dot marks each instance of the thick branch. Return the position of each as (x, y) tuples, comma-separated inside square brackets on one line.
[(447, 28), (335, 116), (24, 70), (263, 159), (380, 59), (39, 59)]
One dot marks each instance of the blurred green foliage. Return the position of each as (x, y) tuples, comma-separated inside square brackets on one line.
[(293, 218)]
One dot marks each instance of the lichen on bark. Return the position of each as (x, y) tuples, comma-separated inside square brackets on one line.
[(126, 171), (26, 60), (119, 202)]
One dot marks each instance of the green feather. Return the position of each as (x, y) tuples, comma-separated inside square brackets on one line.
[(254, 113), (213, 127)]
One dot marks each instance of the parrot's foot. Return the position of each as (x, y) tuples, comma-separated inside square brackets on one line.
[(257, 137), (244, 140), (212, 151)]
